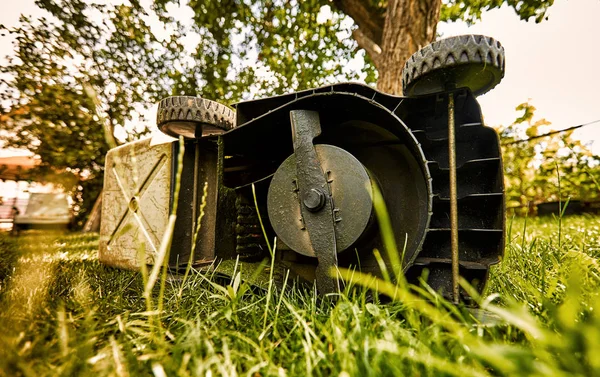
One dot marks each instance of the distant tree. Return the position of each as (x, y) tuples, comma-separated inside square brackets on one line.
[(71, 77), (545, 169)]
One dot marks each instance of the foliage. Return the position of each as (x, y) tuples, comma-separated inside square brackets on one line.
[(261, 47), (545, 169), (470, 10), (9, 255), (63, 313)]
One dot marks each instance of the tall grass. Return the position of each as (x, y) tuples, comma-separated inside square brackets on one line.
[(63, 313)]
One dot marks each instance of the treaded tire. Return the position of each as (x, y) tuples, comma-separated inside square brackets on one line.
[(473, 61), (193, 117)]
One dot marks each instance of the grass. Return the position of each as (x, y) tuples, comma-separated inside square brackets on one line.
[(63, 313)]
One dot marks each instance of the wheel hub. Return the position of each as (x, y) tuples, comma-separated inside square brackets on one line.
[(348, 186)]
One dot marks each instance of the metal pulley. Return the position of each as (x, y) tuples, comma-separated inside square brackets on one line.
[(319, 199)]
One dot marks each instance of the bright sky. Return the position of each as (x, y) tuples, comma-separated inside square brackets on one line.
[(555, 63)]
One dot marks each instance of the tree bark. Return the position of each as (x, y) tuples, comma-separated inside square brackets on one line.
[(409, 26), (389, 41)]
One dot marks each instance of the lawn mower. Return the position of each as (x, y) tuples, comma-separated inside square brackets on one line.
[(307, 165)]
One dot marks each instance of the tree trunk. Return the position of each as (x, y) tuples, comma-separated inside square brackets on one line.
[(391, 38), (409, 26)]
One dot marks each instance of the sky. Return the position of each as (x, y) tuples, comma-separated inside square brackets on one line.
[(553, 64)]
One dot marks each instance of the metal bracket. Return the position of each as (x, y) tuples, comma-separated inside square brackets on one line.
[(316, 202)]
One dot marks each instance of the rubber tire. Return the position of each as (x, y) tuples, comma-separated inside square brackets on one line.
[(473, 61), (185, 115)]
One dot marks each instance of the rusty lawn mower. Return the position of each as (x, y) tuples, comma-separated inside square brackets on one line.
[(314, 158)]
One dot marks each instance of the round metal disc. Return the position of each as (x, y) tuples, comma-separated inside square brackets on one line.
[(350, 187)]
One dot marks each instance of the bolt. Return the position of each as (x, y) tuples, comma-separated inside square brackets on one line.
[(314, 200), (336, 215), (134, 204)]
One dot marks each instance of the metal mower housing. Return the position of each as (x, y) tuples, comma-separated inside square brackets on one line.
[(311, 161)]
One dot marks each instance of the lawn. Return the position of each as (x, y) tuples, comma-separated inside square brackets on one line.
[(63, 313)]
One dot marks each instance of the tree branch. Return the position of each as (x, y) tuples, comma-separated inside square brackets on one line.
[(368, 45), (368, 19)]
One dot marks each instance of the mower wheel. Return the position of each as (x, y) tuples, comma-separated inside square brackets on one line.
[(193, 117), (472, 61)]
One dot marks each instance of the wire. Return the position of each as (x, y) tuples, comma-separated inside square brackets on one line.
[(551, 133)]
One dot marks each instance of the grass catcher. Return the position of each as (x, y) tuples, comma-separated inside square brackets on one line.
[(315, 159)]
